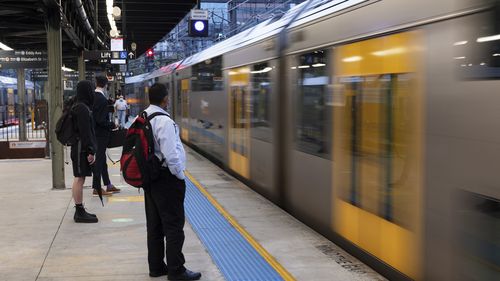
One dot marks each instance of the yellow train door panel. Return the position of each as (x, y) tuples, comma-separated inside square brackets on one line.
[(377, 148), (239, 121), (185, 109)]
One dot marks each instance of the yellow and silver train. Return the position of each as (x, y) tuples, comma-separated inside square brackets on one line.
[(375, 122)]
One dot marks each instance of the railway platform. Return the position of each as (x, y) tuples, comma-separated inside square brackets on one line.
[(232, 233)]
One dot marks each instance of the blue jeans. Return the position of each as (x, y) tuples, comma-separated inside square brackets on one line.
[(121, 117)]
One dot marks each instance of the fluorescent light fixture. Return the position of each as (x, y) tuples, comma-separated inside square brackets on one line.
[(488, 38), (64, 68), (459, 43), (459, 58), (352, 59), (389, 52), (482, 63), (496, 55), (463, 65), (5, 47), (267, 69), (470, 64), (304, 66), (109, 12), (318, 65), (293, 67)]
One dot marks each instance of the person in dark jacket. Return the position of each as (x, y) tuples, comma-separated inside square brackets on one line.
[(103, 127), (83, 152)]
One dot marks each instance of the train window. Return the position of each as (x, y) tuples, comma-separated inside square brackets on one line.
[(207, 75), (312, 111), (261, 96), (476, 48)]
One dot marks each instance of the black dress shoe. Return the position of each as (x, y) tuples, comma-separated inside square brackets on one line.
[(186, 275), (158, 274)]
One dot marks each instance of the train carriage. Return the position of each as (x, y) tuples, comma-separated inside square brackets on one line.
[(374, 122)]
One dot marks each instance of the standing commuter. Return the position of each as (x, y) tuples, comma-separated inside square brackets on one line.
[(164, 198), (103, 127), (121, 108), (83, 152)]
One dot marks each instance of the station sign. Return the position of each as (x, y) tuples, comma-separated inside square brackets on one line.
[(113, 57), (44, 75), (27, 144), (23, 59), (197, 14)]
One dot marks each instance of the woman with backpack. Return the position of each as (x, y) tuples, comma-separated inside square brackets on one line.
[(83, 151)]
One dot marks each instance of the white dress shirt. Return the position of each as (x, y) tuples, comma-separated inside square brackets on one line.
[(168, 145), (121, 104)]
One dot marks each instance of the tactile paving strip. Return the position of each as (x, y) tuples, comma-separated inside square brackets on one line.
[(234, 256)]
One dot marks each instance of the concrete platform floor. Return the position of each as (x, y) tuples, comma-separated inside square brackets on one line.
[(40, 241)]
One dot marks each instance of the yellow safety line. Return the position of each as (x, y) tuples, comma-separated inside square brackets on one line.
[(268, 257)]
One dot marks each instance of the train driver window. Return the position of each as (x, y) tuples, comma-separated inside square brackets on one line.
[(313, 111)]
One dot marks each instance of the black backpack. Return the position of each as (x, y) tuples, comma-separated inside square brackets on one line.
[(139, 165), (65, 127)]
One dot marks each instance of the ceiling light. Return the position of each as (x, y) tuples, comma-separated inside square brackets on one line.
[(460, 43), (293, 67), (459, 58), (304, 66), (67, 69), (318, 65), (5, 47), (488, 38), (496, 55), (482, 63)]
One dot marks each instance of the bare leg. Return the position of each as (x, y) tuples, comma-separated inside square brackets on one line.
[(77, 189)]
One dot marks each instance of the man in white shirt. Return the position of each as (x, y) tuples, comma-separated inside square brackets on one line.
[(121, 107), (164, 198)]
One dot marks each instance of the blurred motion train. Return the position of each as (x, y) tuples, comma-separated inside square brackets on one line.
[(377, 123), (9, 100)]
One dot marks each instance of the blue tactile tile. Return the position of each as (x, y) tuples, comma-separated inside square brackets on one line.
[(231, 252)]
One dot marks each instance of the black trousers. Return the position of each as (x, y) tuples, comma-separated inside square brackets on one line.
[(100, 169), (164, 201)]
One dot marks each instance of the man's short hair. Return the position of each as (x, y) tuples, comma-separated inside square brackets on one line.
[(101, 81), (157, 93)]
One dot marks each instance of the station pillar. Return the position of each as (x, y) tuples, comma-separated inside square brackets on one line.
[(54, 47), (21, 93), (81, 66)]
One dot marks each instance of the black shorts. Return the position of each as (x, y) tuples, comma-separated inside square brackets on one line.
[(81, 166)]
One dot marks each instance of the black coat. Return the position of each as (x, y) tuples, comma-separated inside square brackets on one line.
[(83, 117), (103, 125)]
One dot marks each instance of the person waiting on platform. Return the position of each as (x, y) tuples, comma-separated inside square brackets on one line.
[(164, 198), (103, 127), (83, 152), (121, 107)]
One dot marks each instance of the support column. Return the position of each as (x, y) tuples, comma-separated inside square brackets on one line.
[(21, 93), (81, 66), (54, 47)]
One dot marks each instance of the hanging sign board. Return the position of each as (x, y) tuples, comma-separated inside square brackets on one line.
[(197, 14), (23, 59)]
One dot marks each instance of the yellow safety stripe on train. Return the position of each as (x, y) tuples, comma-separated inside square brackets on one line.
[(268, 257)]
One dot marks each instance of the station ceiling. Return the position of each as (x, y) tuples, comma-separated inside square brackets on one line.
[(23, 23), (145, 22)]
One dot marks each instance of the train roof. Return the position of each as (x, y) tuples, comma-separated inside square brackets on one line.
[(303, 13)]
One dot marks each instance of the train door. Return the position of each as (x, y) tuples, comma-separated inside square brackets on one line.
[(377, 148), (239, 121), (184, 109)]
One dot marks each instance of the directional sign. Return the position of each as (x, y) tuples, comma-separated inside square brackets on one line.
[(113, 57), (23, 59), (131, 55)]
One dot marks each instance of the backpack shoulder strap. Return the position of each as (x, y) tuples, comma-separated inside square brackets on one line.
[(156, 114)]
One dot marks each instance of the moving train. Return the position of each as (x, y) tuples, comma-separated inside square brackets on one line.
[(9, 100), (376, 123)]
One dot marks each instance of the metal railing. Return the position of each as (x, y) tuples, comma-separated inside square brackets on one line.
[(35, 119)]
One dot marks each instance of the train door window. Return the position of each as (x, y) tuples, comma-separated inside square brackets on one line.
[(207, 75), (261, 84), (313, 111)]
